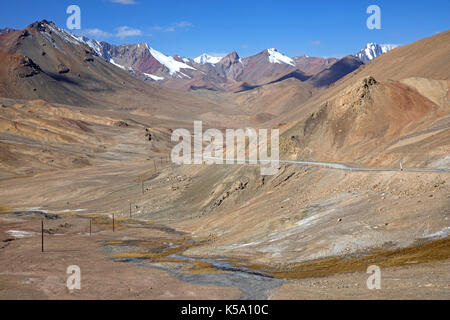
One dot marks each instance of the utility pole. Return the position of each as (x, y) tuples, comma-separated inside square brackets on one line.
[(113, 222), (42, 235)]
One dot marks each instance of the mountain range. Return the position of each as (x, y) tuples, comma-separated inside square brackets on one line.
[(223, 73)]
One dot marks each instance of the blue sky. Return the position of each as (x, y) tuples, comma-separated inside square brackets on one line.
[(189, 28)]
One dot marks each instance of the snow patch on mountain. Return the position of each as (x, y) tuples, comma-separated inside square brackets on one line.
[(94, 44), (185, 75), (206, 58), (374, 50), (170, 63), (276, 57), (117, 65), (153, 77)]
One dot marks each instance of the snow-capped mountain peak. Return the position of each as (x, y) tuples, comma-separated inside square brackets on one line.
[(206, 58), (169, 62), (374, 50), (276, 57)]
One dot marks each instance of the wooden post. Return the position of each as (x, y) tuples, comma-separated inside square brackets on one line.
[(142, 185), (130, 209), (90, 227), (42, 235), (113, 222), (154, 163)]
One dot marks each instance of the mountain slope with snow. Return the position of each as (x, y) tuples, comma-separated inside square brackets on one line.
[(276, 57), (142, 60), (169, 62), (374, 50)]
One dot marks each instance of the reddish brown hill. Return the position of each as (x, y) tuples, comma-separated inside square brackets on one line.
[(259, 70), (336, 71), (313, 65), (363, 120)]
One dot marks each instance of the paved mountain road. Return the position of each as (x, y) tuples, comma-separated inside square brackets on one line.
[(340, 166)]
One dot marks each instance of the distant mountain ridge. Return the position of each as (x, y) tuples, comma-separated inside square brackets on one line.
[(206, 71), (228, 72)]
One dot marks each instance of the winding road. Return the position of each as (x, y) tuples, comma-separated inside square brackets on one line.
[(337, 165)]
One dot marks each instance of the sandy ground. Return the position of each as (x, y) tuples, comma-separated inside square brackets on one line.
[(27, 273), (108, 270), (421, 281)]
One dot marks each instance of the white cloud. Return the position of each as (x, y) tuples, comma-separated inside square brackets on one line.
[(120, 32), (125, 31), (96, 33), (174, 26), (124, 1), (315, 43), (184, 24)]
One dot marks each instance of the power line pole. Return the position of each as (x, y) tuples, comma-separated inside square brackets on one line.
[(42, 235)]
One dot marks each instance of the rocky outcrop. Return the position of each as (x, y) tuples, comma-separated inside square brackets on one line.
[(237, 186), (27, 68), (62, 68)]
